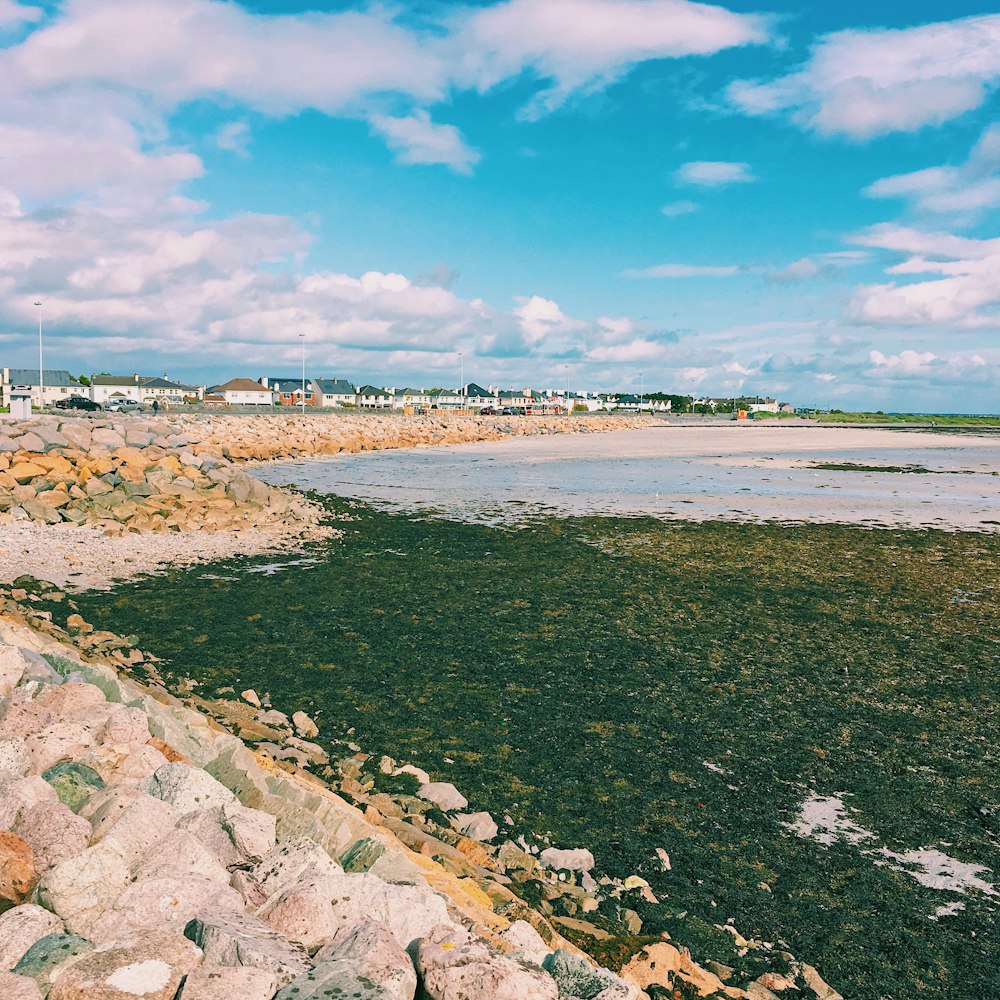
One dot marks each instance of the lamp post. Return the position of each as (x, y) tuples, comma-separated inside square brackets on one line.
[(566, 367), (41, 365), (642, 389), (302, 337), (461, 367)]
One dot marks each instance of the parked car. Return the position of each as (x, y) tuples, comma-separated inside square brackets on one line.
[(488, 411), (76, 403), (125, 406)]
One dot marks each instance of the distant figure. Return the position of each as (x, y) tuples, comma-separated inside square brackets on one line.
[(156, 407)]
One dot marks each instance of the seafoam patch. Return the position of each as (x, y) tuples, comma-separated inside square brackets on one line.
[(825, 819)]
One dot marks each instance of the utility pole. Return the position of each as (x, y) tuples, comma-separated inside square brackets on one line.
[(302, 337), (41, 364)]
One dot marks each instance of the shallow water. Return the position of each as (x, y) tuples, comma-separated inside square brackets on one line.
[(696, 474)]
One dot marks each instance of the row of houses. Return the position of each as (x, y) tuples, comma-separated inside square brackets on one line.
[(327, 393)]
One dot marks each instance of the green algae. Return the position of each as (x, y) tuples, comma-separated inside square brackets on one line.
[(633, 684)]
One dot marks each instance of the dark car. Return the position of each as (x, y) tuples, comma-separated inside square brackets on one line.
[(488, 411), (76, 403)]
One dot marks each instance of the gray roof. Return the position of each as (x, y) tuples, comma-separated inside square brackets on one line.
[(477, 390), (29, 376), (115, 379), (335, 387), (157, 382), (372, 390)]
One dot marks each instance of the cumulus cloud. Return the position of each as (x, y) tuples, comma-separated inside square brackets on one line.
[(416, 139), (965, 190), (928, 367), (13, 14), (964, 294), (587, 44), (714, 173), (862, 84)]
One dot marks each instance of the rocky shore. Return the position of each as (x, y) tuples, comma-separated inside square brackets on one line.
[(177, 489)]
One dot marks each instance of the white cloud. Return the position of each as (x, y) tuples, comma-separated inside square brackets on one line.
[(967, 189), (955, 370), (825, 266), (683, 271), (677, 208), (13, 14), (583, 45), (714, 173), (235, 137), (862, 84), (416, 139), (964, 295)]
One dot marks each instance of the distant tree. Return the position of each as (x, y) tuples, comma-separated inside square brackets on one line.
[(83, 380)]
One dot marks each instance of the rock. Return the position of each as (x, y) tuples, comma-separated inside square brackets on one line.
[(54, 832), (150, 966), (421, 775), (478, 826), (17, 795), (371, 955), (455, 966), (576, 977), (17, 869), (655, 965), (216, 982), (186, 788), (126, 726), (251, 831), (444, 795), (131, 821), (179, 852), (170, 900), (815, 982), (64, 741), (577, 860), (20, 928), (12, 667), (71, 699), (251, 697), (47, 958), (238, 939), (304, 726), (81, 888), (283, 865), (74, 783), (14, 760), (317, 908), (527, 943), (14, 987)]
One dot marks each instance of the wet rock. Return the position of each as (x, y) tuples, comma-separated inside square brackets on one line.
[(20, 928), (81, 888), (455, 966), (216, 982), (236, 939), (48, 957), (13, 987), (576, 860), (186, 788), (170, 900), (54, 832), (150, 966), (74, 783), (444, 795), (17, 869)]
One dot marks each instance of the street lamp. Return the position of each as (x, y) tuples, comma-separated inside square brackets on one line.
[(461, 363), (302, 337), (41, 366), (642, 389), (566, 367)]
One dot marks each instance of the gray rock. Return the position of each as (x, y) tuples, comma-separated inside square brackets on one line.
[(150, 966), (455, 966), (53, 832), (372, 954), (576, 860), (478, 826), (576, 977), (74, 783), (171, 900), (283, 865), (49, 955), (527, 943), (186, 788), (238, 939), (14, 987), (444, 795), (81, 888), (216, 982), (20, 928)]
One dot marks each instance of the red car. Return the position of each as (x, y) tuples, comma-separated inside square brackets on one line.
[(488, 411)]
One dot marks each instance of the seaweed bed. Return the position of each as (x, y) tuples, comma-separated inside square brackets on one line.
[(629, 684)]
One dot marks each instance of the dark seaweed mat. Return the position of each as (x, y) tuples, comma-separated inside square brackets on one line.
[(579, 673)]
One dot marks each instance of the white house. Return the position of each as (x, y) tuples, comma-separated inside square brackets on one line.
[(244, 392), (335, 392), (58, 384), (410, 397), (477, 397), (371, 397)]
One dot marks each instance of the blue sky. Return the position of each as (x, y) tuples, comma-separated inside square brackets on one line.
[(799, 200)]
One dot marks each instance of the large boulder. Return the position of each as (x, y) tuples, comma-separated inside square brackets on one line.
[(178, 851), (217, 982), (455, 966), (13, 987), (241, 940), (187, 788), (62, 741), (20, 928), (54, 832), (82, 888), (576, 977), (14, 760), (290, 859), (17, 869), (443, 794), (575, 860), (74, 783), (126, 726), (478, 826), (13, 664), (150, 966), (132, 822), (371, 954), (171, 900), (17, 795), (50, 956)]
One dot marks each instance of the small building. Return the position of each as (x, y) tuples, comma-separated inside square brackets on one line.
[(244, 392), (335, 392), (58, 384), (476, 397), (447, 399), (411, 397), (287, 391)]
